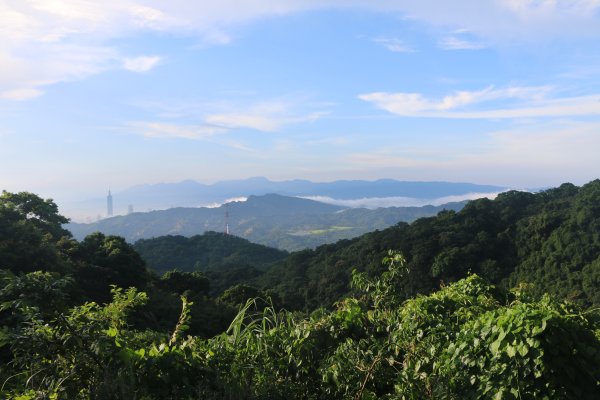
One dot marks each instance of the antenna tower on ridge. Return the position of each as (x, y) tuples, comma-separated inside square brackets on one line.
[(227, 218)]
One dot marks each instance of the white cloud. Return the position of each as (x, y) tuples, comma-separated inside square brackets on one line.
[(461, 39), (499, 21), (141, 64), (45, 42), (398, 201), (337, 141), (544, 9), (523, 102), (260, 119), (162, 130), (20, 94), (240, 199), (456, 43), (555, 145), (395, 45), (266, 116), (40, 65), (234, 144), (254, 121), (532, 155)]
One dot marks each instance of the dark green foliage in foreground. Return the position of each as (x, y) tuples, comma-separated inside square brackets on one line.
[(207, 252), (67, 332), (31, 236), (69, 273), (551, 239), (468, 340)]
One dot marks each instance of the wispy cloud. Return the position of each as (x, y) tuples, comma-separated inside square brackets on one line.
[(180, 131), (235, 144), (240, 199), (394, 44), (46, 42), (536, 9), (252, 121), (141, 64), (456, 43), (511, 102), (461, 39), (266, 122), (337, 141), (25, 75), (553, 145), (549, 153), (525, 21), (270, 115), (217, 121), (20, 94), (398, 201)]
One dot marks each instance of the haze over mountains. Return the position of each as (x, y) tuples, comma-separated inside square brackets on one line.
[(284, 222), (349, 193)]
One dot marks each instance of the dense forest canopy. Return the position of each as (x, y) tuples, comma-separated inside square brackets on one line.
[(284, 222), (550, 239), (210, 251), (436, 319)]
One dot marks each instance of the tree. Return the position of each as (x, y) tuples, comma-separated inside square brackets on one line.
[(32, 208), (108, 260), (31, 235)]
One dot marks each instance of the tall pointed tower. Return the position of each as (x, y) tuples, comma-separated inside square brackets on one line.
[(109, 204)]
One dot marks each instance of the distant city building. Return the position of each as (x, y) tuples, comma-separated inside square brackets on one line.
[(109, 204), (130, 209)]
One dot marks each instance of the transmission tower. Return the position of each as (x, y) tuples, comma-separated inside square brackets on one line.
[(227, 218)]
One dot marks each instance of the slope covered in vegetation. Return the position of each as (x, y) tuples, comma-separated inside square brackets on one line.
[(87, 320), (210, 251), (550, 239), (467, 341), (66, 272), (283, 222)]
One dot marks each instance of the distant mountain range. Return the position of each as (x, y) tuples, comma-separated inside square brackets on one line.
[(352, 193), (288, 223)]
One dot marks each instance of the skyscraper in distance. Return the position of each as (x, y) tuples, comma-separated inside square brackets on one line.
[(109, 204)]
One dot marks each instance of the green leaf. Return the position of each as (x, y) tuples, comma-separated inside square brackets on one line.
[(523, 350), (511, 351), (112, 332), (495, 347)]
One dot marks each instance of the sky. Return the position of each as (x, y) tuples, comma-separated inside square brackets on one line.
[(124, 92)]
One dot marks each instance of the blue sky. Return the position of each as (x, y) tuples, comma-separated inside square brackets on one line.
[(118, 93)]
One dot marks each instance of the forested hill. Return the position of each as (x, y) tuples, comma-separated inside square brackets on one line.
[(87, 320), (287, 223), (208, 252), (550, 239)]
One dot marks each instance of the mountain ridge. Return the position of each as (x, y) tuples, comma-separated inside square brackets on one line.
[(287, 223)]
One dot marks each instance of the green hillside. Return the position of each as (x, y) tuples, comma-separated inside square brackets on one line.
[(287, 223), (550, 239), (210, 251), (497, 301)]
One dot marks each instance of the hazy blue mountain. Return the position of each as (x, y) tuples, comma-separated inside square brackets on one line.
[(283, 222), (193, 194)]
